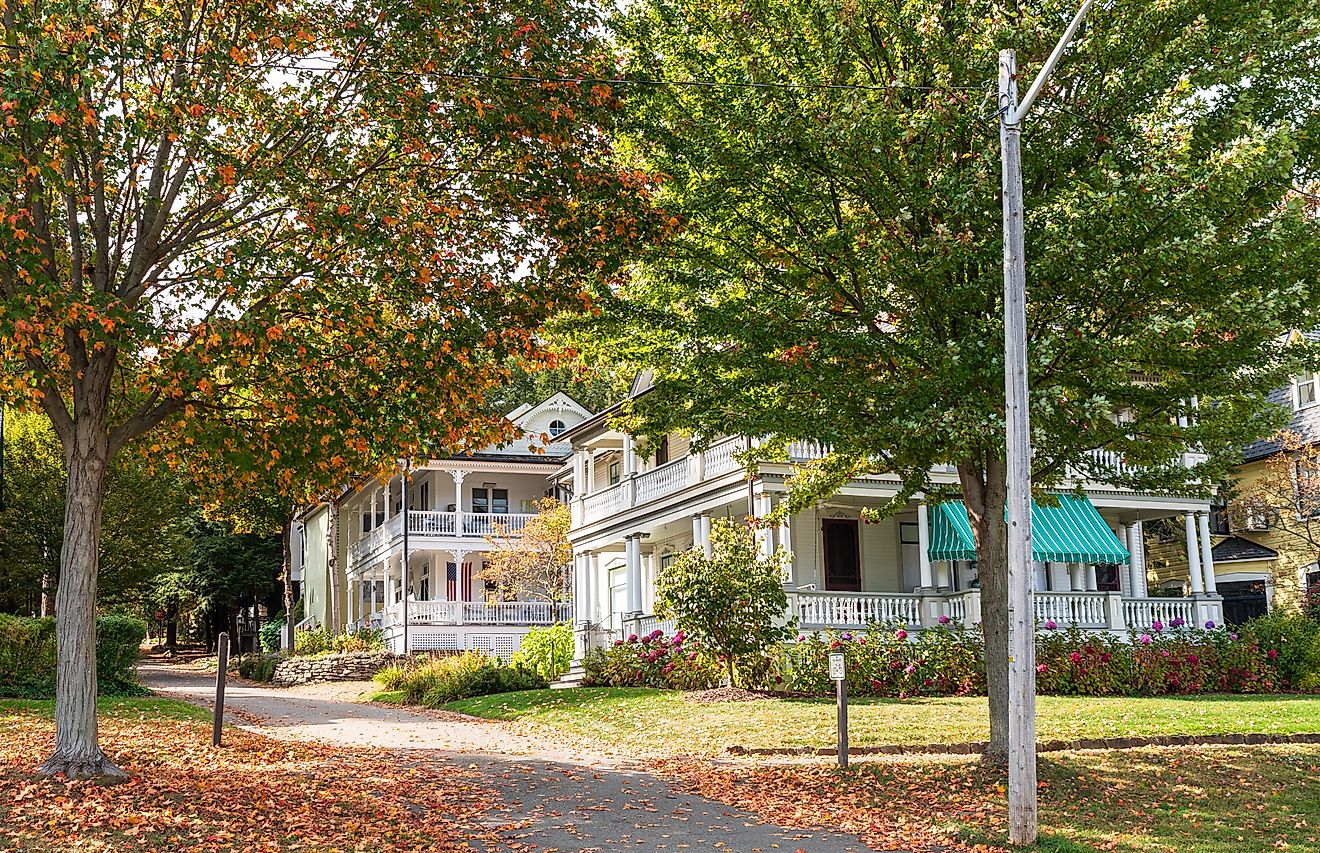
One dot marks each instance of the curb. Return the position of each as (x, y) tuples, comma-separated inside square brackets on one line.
[(978, 747)]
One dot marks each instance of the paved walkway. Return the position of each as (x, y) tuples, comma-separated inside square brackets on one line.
[(566, 799)]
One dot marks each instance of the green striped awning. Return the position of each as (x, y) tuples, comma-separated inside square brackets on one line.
[(1072, 532)]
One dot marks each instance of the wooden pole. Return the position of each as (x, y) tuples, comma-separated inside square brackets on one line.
[(841, 693), (222, 661)]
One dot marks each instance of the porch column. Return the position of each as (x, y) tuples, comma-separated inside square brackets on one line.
[(458, 504), (764, 536), (591, 473), (593, 585), (1091, 584), (633, 552), (387, 499), (372, 524), (1075, 580), (579, 485), (1124, 579), (1137, 548), (786, 542), (923, 547), (389, 585), (375, 600), (629, 455), (581, 641), (696, 466), (1193, 556), (1207, 557), (706, 548)]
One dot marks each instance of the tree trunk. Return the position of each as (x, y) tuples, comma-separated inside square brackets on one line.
[(172, 627), (77, 754), (985, 493), (287, 575)]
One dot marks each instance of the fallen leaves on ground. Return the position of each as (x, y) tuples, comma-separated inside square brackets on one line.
[(253, 795), (1192, 799)]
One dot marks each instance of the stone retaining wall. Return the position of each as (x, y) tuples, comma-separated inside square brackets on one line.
[(352, 666)]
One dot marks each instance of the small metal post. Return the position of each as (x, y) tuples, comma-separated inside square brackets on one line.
[(222, 654)]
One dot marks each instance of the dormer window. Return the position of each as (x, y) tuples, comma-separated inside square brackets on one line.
[(557, 427), (1304, 390)]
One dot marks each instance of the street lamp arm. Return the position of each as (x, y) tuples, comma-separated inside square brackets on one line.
[(1020, 113)]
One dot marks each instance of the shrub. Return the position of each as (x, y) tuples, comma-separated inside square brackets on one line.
[(884, 661), (272, 635), (258, 667), (314, 641), (27, 655), (651, 661), (731, 602), (361, 640), (546, 651), (1295, 643), (436, 681)]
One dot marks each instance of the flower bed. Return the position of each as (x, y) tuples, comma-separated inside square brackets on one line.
[(651, 661)]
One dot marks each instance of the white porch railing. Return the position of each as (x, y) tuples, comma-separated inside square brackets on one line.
[(480, 613), (647, 624), (603, 503), (1141, 613), (806, 450), (718, 458), (442, 524), (665, 480), (856, 609), (1065, 609)]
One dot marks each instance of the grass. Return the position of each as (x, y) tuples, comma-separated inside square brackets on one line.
[(661, 721), (1189, 799)]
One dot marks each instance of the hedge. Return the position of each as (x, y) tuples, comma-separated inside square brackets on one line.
[(27, 655)]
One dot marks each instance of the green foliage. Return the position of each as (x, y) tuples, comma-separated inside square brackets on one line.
[(731, 602), (546, 651), (884, 661), (317, 641), (272, 634), (434, 681), (313, 641), (258, 667), (1295, 642), (27, 655), (651, 661)]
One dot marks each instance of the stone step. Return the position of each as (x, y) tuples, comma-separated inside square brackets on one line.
[(572, 678)]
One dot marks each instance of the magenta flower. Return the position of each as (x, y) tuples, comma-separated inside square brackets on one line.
[(1041, 668), (1272, 654), (847, 635), (618, 642), (1144, 639), (1193, 660), (1157, 626), (1177, 622), (910, 668), (944, 620), (801, 639), (1075, 657), (900, 634), (1050, 624), (1233, 637), (632, 638), (1210, 624)]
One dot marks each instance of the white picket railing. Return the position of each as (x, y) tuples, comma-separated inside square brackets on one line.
[(603, 503), (955, 607), (807, 450), (1065, 609), (480, 613), (857, 609), (489, 523), (1140, 613), (718, 458), (431, 523), (647, 624), (665, 480), (423, 522)]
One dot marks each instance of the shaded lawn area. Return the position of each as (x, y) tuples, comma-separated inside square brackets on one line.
[(664, 722), (1189, 799), (253, 794)]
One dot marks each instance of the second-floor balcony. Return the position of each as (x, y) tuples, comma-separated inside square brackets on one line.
[(430, 525)]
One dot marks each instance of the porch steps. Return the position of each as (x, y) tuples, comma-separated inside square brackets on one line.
[(572, 678)]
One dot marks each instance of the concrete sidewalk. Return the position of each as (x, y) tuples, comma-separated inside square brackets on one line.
[(562, 798)]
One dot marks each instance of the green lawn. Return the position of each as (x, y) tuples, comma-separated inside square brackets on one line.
[(661, 721), (148, 707)]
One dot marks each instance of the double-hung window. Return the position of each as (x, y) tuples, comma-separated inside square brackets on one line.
[(1304, 390)]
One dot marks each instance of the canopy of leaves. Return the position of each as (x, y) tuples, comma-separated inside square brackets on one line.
[(145, 520), (731, 602), (838, 273)]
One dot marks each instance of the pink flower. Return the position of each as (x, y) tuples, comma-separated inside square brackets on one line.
[(1193, 660), (1144, 639), (1042, 668), (1233, 637), (1050, 625), (1075, 657), (1272, 654), (900, 634), (632, 638), (801, 639), (1157, 626), (910, 668), (944, 620)]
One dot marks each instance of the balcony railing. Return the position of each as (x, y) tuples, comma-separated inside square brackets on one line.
[(665, 480), (424, 523), (480, 613), (857, 609), (1066, 609)]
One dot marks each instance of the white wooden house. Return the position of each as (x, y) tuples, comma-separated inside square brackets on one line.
[(454, 504), (635, 510)]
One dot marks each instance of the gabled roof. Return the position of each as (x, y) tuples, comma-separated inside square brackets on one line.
[(1235, 549), (558, 401), (1305, 422)]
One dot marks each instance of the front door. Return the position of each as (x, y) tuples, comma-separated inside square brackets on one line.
[(843, 565)]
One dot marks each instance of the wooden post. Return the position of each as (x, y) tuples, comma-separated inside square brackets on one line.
[(222, 655), (843, 721)]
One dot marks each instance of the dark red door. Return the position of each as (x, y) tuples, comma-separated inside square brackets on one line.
[(843, 565)]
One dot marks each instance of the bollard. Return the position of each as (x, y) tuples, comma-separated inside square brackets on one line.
[(222, 653), (838, 672)]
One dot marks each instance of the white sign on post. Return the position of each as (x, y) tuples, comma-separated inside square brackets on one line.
[(836, 667)]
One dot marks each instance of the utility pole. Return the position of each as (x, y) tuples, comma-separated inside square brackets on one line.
[(1022, 810)]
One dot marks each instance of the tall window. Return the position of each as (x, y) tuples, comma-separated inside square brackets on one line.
[(614, 473), (1304, 390), (557, 427), (1219, 520), (662, 451), (1306, 483)]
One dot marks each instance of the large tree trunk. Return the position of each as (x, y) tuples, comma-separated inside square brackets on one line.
[(77, 754), (985, 493), (287, 575)]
